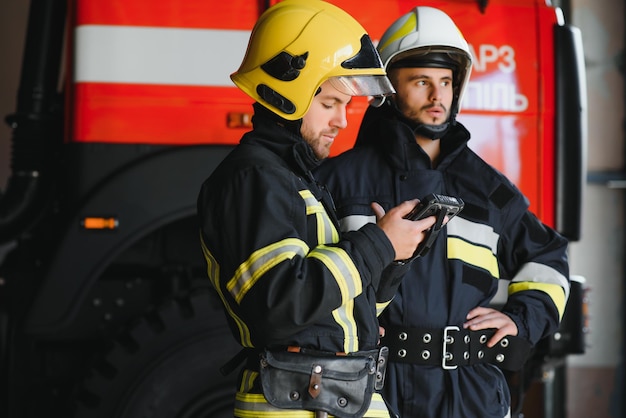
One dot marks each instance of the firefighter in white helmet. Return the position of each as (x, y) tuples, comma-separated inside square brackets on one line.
[(299, 296), (448, 345)]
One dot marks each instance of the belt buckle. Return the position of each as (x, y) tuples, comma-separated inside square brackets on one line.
[(445, 354)]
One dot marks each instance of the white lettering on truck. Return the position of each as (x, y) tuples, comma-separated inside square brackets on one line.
[(496, 89)]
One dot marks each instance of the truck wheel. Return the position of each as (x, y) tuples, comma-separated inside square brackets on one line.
[(166, 366)]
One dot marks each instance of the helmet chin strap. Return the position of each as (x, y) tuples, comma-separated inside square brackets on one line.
[(432, 132)]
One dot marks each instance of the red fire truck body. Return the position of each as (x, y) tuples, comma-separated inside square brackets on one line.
[(106, 311)]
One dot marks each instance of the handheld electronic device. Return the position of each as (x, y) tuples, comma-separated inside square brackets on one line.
[(438, 205), (433, 204)]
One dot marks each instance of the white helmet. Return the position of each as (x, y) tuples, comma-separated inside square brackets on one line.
[(428, 37)]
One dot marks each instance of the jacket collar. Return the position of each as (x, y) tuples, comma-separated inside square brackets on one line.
[(282, 137), (393, 136)]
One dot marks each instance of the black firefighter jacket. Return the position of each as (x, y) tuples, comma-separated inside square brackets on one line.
[(276, 258), (494, 238)]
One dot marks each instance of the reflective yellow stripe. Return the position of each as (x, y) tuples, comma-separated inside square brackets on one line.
[(254, 405), (342, 268), (213, 271), (349, 281), (407, 27), (213, 268), (311, 203), (262, 261), (473, 243), (380, 307), (477, 244), (555, 292), (542, 277), (474, 255), (474, 232), (377, 408), (541, 273), (326, 231), (248, 378), (344, 316)]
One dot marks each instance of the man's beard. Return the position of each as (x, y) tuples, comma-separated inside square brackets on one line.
[(415, 116)]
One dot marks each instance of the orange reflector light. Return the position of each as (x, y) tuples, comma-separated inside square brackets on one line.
[(100, 223), (239, 120)]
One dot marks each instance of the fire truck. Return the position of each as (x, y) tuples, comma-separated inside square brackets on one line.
[(124, 107)]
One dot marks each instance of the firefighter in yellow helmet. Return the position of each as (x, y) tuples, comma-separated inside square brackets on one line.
[(297, 46), (448, 345), (300, 297)]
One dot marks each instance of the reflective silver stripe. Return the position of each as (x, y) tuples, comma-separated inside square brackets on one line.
[(311, 203), (326, 231), (473, 243), (260, 262), (151, 55), (248, 377), (254, 405), (474, 255), (342, 268), (536, 276), (344, 316), (355, 222), (349, 281), (213, 271), (213, 268), (473, 232), (380, 307), (378, 408), (540, 273)]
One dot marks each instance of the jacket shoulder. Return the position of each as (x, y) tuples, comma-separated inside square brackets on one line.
[(486, 179), (350, 162)]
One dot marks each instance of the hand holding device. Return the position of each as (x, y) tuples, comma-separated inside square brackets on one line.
[(434, 204), (438, 205)]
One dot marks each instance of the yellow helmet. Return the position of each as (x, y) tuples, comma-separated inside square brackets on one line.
[(296, 45)]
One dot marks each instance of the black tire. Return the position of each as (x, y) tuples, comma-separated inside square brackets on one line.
[(167, 366)]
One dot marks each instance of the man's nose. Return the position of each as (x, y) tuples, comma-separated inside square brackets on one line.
[(340, 120), (435, 94)]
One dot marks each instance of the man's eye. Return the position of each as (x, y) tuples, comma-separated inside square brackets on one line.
[(327, 106)]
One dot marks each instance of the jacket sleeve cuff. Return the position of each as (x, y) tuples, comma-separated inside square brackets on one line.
[(390, 281), (375, 249)]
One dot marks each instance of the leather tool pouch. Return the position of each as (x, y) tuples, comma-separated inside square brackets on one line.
[(340, 385)]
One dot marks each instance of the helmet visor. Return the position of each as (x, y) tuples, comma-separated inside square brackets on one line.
[(363, 85)]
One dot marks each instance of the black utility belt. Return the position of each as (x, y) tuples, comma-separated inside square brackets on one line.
[(341, 385), (452, 346)]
